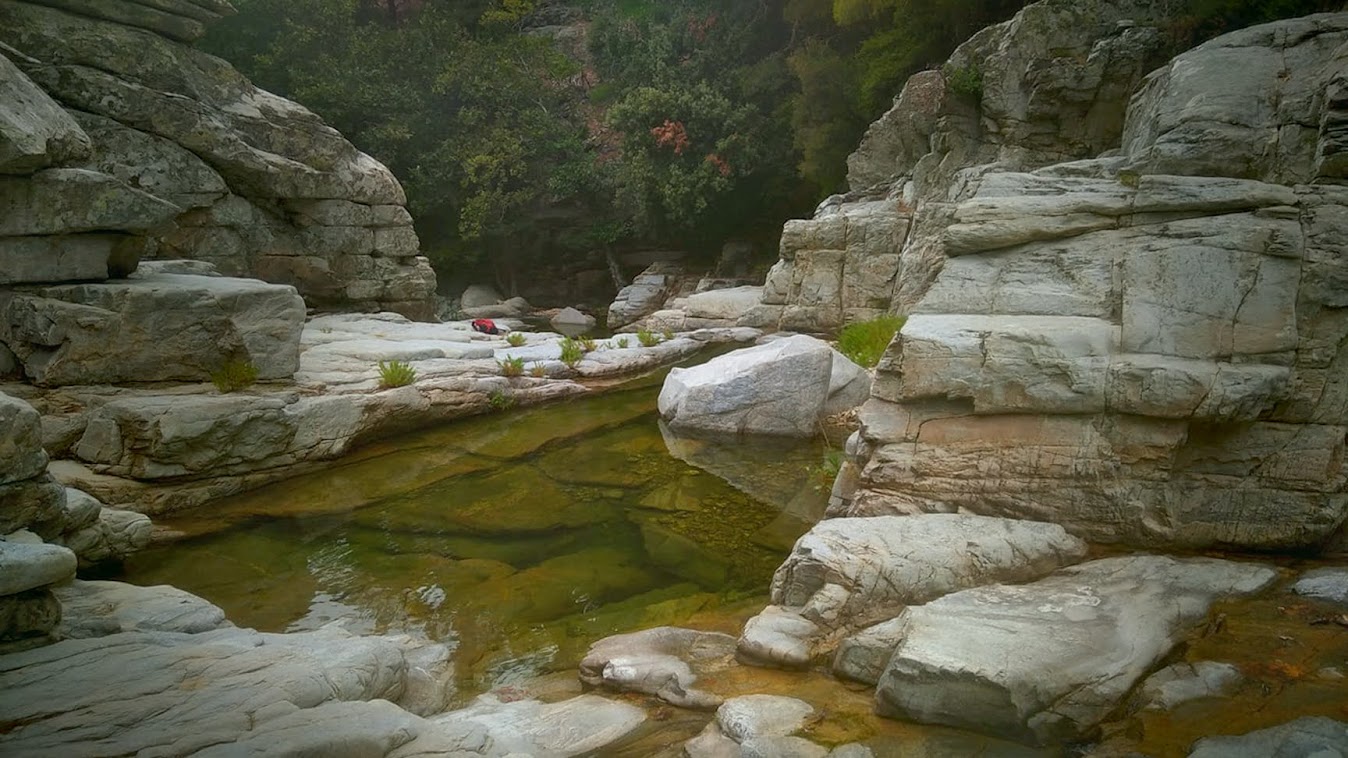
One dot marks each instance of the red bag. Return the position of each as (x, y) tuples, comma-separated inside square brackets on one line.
[(485, 325)]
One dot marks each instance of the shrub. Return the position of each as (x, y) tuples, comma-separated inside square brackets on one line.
[(538, 370), (965, 80), (647, 339), (234, 376), (572, 352), (865, 341), (396, 374), (511, 366), (515, 339), (500, 401), (621, 342)]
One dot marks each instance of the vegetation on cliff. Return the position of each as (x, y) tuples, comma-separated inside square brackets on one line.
[(528, 128)]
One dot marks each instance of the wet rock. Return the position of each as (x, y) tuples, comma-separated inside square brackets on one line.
[(665, 662), (1045, 662), (578, 726), (1329, 584), (1317, 736), (782, 387), (1183, 682), (98, 609), (848, 573), (756, 725)]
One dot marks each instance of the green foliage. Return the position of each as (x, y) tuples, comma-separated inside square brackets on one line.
[(538, 370), (966, 81), (647, 338), (827, 470), (1205, 19), (572, 352), (586, 343), (235, 375), (865, 341), (621, 343), (499, 400), (511, 366), (396, 374), (515, 339)]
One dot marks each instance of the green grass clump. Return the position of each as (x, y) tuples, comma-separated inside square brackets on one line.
[(538, 370), (396, 374), (586, 344), (965, 80), (572, 352), (515, 339), (865, 341), (511, 366), (647, 338), (667, 334), (234, 376), (500, 401), (621, 342)]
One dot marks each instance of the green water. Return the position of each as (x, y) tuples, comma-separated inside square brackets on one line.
[(517, 538)]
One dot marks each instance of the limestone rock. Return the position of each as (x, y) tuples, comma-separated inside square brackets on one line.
[(68, 200), (27, 619), (1329, 584), (864, 656), (1310, 736), (25, 566), (69, 258), (150, 163), (1045, 662), (665, 662), (1183, 682), (478, 295), (756, 725), (113, 536), (164, 326), (98, 609), (35, 132), (32, 501), (782, 387), (21, 453), (572, 317), (646, 294), (578, 726), (845, 574)]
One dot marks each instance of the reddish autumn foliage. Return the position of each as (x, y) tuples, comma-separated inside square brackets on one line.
[(671, 134), (719, 163)]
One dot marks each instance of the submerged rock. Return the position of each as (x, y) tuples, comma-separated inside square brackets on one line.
[(848, 573), (1183, 682), (1329, 584), (1314, 737), (1045, 662), (786, 386)]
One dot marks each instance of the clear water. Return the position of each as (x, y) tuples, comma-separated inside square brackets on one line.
[(518, 538)]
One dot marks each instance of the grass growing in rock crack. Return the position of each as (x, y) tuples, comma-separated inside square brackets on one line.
[(538, 370), (511, 366), (396, 374), (865, 341), (235, 375), (572, 352), (515, 339), (647, 338)]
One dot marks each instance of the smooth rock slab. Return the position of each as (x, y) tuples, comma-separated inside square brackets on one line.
[(114, 535), (578, 726), (35, 132), (1312, 737), (98, 609), (848, 573), (784, 387), (664, 662), (1183, 682), (25, 566), (1045, 662)]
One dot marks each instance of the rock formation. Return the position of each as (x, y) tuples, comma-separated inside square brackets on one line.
[(1146, 347), (119, 141)]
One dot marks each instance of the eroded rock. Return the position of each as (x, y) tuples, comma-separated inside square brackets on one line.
[(665, 662)]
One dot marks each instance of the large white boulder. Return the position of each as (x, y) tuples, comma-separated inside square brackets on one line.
[(1045, 662), (784, 387)]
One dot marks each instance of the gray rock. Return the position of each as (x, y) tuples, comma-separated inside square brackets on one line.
[(1183, 682), (573, 317), (21, 453), (755, 716), (863, 656), (478, 295), (578, 726), (68, 200), (113, 536), (69, 258), (164, 326), (1045, 662), (781, 747), (25, 566), (39, 501), (845, 574), (1330, 584), (98, 609), (665, 662), (1313, 737), (783, 387), (27, 619), (150, 163), (645, 295), (35, 132)]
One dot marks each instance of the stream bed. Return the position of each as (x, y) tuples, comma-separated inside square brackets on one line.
[(517, 538)]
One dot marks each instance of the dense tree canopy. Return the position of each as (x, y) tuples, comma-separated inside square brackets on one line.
[(670, 122)]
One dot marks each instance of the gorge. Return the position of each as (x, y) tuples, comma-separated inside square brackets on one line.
[(1093, 501)]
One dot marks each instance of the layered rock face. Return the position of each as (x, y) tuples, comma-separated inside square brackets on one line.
[(119, 142), (1146, 347)]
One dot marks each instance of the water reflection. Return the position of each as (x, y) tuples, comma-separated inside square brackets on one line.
[(518, 539)]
